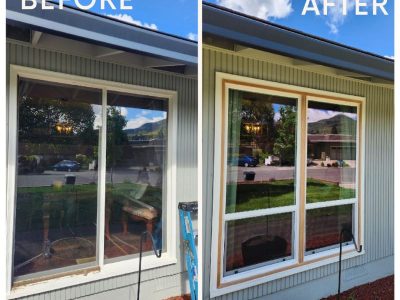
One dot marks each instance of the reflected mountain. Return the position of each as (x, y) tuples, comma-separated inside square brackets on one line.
[(339, 124), (148, 131)]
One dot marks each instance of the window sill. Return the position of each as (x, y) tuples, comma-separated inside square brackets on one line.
[(269, 273), (91, 274)]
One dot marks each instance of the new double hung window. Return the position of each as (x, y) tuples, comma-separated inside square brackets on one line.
[(91, 174), (287, 178), (260, 201)]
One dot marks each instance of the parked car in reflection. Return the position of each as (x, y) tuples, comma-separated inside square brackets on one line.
[(243, 161), (247, 161), (67, 165)]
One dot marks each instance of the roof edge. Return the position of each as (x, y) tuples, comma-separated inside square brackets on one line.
[(103, 30), (263, 35)]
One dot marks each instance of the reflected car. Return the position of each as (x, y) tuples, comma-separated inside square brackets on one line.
[(247, 161), (67, 165)]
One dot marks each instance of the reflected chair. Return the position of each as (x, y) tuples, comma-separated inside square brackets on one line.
[(132, 208)]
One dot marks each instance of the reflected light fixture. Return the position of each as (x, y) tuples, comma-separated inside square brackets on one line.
[(254, 128), (63, 127)]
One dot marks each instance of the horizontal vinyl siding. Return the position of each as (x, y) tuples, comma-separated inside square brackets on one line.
[(25, 55), (379, 157)]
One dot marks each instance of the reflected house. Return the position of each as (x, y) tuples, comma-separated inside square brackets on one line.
[(334, 146), (102, 145), (148, 143), (326, 110)]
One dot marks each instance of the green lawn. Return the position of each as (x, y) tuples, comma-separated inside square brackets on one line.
[(280, 193)]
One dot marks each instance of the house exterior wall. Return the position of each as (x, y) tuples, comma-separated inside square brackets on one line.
[(158, 283), (379, 173)]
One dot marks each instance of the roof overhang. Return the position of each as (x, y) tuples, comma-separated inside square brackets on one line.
[(224, 24), (83, 26)]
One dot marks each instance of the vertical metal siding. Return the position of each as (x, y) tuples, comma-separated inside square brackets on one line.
[(25, 55), (379, 159)]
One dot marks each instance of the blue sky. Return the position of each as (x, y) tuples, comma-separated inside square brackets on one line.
[(370, 33), (178, 17)]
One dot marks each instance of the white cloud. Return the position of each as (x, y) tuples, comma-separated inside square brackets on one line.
[(315, 115), (192, 36), (123, 110), (129, 19), (263, 9), (336, 17), (389, 56), (137, 122)]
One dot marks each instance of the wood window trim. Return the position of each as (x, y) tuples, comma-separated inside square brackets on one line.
[(218, 285)]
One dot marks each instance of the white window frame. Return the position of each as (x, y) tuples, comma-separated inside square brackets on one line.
[(102, 270), (220, 285)]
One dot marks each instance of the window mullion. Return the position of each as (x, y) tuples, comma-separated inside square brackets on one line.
[(330, 203), (259, 213), (101, 196), (302, 177)]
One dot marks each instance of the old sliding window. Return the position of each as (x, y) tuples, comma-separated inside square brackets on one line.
[(88, 156), (287, 179)]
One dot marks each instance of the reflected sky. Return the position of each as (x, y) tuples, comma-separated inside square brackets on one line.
[(135, 117)]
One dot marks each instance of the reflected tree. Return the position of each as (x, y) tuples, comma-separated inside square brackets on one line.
[(40, 121), (116, 137), (284, 146)]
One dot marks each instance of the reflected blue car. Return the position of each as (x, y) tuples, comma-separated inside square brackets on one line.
[(247, 161), (67, 165), (244, 161)]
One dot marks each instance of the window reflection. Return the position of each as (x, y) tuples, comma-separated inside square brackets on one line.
[(331, 172), (136, 159), (332, 144), (56, 193), (261, 151), (258, 241), (334, 219)]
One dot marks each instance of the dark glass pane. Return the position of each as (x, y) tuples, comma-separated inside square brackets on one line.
[(136, 164), (323, 226), (261, 151), (258, 240), (332, 144), (56, 194)]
